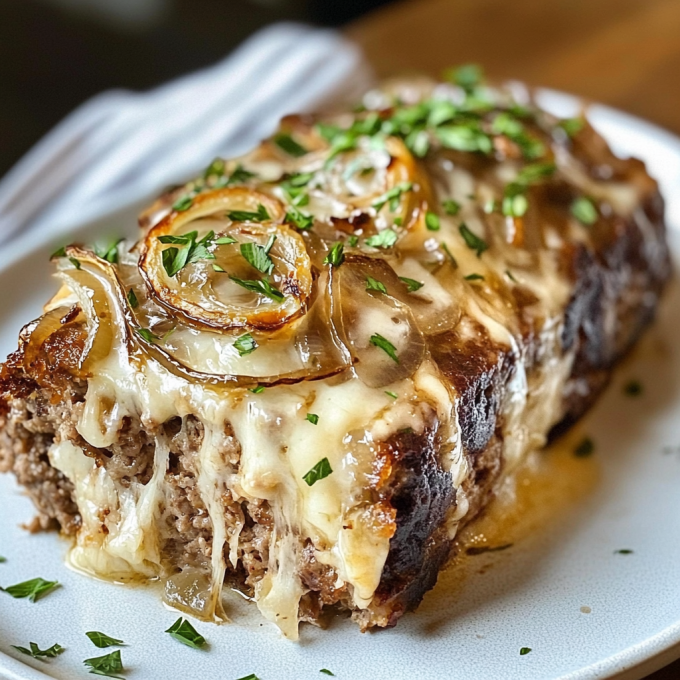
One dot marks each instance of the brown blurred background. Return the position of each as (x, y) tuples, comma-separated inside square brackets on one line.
[(56, 53)]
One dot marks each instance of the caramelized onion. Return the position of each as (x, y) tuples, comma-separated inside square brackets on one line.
[(211, 298), (363, 315)]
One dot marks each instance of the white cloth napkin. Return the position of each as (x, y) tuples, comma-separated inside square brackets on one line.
[(121, 147)]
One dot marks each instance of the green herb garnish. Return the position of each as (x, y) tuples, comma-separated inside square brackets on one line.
[(411, 284), (585, 448), (190, 250), (102, 640), (325, 671), (584, 211), (184, 632), (33, 589), (256, 390), (374, 284), (132, 298), (336, 255), (394, 395), (74, 262), (392, 196), (245, 344), (240, 175), (37, 653), (321, 470), (524, 651), (432, 221), (2, 559), (474, 277), (385, 345), (146, 334), (571, 126), (286, 143), (472, 241), (312, 418), (451, 207), (449, 255), (353, 240), (468, 137), (623, 551), (508, 273), (260, 286), (215, 168), (261, 215), (182, 204), (59, 252), (108, 253), (106, 665), (224, 240), (258, 256), (252, 676), (301, 220), (467, 76), (384, 239)]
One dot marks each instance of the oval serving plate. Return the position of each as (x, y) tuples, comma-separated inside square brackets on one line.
[(585, 610)]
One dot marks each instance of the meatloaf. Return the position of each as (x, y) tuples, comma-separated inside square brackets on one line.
[(320, 359)]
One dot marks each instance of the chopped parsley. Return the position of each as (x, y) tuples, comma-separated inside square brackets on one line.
[(320, 471), (256, 390), (467, 76), (37, 653), (524, 651), (451, 207), (301, 220), (190, 250), (33, 589), (464, 137), (474, 277), (514, 204), (534, 172), (258, 256), (183, 204), (449, 255), (584, 210), (252, 676), (240, 175), (224, 240), (74, 262), (245, 344), (508, 273), (2, 559), (411, 284), (394, 395), (472, 241), (623, 551), (184, 632), (571, 126), (312, 418), (633, 388), (146, 334), (325, 671), (59, 252), (219, 269), (215, 168), (374, 284), (392, 196), (287, 144), (132, 298), (384, 239), (585, 448), (261, 215), (108, 253), (260, 286), (102, 640), (353, 240), (385, 345), (432, 221), (106, 665), (336, 255)]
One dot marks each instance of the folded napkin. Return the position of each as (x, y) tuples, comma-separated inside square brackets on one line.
[(122, 147)]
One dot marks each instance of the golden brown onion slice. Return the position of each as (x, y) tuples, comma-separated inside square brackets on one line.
[(380, 331), (209, 290)]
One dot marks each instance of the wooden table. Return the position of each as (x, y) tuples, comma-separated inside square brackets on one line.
[(625, 53)]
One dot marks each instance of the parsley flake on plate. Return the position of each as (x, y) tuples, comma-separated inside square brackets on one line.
[(146, 334), (108, 252), (102, 640), (256, 390), (385, 345), (374, 284), (585, 448), (584, 210), (392, 196), (132, 298), (524, 651), (449, 255), (384, 239), (623, 551), (451, 207), (107, 665), (312, 418), (258, 256), (473, 241), (336, 255), (260, 286), (320, 471), (245, 344), (184, 632), (287, 144), (411, 284), (394, 395), (260, 215), (37, 653), (33, 589), (325, 671), (432, 221), (474, 277)]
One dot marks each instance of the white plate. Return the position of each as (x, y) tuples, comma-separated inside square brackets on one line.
[(532, 596)]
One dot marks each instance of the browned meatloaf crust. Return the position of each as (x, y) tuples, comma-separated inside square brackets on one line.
[(617, 281)]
